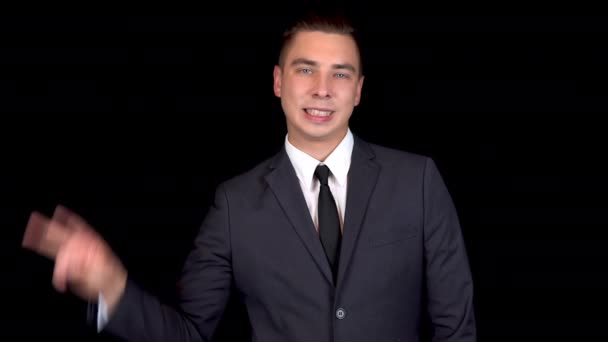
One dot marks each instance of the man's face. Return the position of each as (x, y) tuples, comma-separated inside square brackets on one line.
[(319, 86)]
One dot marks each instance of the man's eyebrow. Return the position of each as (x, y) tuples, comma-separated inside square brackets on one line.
[(346, 66), (304, 61)]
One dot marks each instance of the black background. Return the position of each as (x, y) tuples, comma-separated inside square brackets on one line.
[(163, 105)]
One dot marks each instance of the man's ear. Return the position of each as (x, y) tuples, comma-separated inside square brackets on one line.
[(359, 88), (277, 75)]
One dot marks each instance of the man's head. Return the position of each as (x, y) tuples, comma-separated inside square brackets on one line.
[(319, 80), (322, 22)]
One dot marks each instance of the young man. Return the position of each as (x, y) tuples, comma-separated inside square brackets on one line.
[(359, 249)]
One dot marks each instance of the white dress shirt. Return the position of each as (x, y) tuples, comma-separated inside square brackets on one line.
[(338, 163)]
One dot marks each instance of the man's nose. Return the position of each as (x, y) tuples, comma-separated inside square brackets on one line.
[(322, 87)]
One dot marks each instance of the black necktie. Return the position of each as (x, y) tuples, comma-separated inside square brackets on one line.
[(329, 223)]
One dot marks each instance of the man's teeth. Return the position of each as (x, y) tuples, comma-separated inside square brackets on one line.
[(317, 112)]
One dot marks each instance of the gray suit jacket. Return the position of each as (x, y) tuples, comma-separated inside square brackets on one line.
[(403, 257)]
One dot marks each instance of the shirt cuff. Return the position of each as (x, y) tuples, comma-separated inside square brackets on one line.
[(102, 313)]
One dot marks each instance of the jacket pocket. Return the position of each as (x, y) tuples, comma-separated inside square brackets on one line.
[(393, 234)]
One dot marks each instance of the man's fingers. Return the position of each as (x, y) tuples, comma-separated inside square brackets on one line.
[(34, 231), (70, 260), (70, 218), (45, 236), (60, 272), (61, 214), (75, 260)]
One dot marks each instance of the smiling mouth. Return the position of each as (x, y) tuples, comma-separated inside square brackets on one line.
[(318, 112)]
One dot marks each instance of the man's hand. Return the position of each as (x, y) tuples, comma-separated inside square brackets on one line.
[(84, 262)]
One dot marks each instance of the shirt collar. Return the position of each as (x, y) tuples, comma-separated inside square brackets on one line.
[(338, 161)]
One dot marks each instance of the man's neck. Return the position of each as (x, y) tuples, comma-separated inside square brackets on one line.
[(319, 150)]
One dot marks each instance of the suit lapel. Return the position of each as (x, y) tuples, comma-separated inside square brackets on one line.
[(362, 177), (284, 183)]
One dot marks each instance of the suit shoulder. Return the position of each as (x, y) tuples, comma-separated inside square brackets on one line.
[(250, 177), (407, 166)]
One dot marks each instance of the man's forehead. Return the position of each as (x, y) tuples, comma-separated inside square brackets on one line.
[(323, 48)]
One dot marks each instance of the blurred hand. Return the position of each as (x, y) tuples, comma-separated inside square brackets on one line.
[(84, 263)]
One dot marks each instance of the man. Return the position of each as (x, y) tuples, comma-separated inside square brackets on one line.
[(359, 249)]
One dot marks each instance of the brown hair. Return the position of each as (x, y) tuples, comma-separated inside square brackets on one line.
[(328, 22)]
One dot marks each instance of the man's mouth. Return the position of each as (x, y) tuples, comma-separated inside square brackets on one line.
[(318, 112)]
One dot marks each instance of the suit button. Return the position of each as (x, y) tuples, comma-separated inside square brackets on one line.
[(340, 313)]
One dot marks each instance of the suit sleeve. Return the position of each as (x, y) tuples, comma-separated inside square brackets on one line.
[(448, 276), (203, 290)]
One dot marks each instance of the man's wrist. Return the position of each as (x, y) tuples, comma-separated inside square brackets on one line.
[(113, 293)]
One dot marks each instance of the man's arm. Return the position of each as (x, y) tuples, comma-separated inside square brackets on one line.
[(448, 276), (88, 266)]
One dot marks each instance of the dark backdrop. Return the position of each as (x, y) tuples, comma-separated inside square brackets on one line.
[(133, 119)]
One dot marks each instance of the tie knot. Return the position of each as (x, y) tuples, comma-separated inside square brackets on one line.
[(322, 173)]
